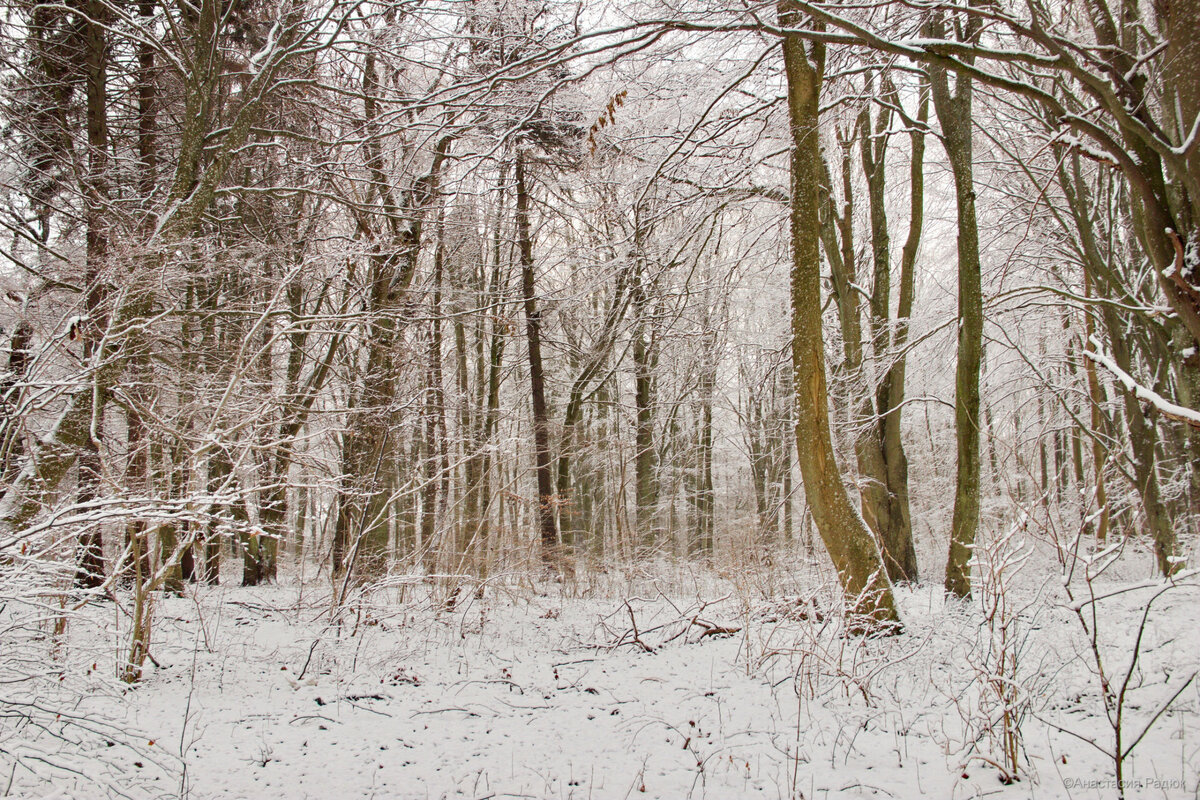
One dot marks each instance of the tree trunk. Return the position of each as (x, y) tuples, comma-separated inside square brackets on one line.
[(954, 114), (547, 524), (701, 538), (437, 471), (89, 571), (896, 539), (645, 464), (362, 536), (168, 475), (12, 443), (1100, 429), (855, 556)]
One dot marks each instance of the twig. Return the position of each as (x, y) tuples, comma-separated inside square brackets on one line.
[(636, 636)]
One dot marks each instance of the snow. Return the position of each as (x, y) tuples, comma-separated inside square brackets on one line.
[(1172, 410), (1191, 258), (545, 694), (256, 61)]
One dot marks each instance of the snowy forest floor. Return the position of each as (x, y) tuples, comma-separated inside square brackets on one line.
[(546, 691)]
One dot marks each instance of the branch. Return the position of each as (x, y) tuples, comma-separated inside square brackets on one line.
[(1164, 406)]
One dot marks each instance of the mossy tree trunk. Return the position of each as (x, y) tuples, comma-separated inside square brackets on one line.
[(850, 544)]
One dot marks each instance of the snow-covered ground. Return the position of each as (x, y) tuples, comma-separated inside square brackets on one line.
[(546, 691)]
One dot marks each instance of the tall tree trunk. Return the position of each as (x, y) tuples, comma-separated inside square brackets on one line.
[(953, 110), (1043, 453), (585, 374), (897, 540), (1100, 428), (168, 474), (879, 509), (362, 535), (547, 524), (259, 547), (468, 508), (879, 505), (437, 471), (856, 558), (788, 456), (703, 505), (219, 471), (89, 571), (1074, 437), (488, 348), (645, 464), (491, 418), (137, 472)]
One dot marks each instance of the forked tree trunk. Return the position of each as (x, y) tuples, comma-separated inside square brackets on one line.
[(882, 463), (362, 538), (895, 537), (855, 556)]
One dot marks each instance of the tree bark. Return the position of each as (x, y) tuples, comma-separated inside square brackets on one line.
[(953, 109), (895, 537), (855, 556), (547, 524), (645, 463), (89, 572)]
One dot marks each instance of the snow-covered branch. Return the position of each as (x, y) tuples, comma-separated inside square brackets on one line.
[(1162, 404)]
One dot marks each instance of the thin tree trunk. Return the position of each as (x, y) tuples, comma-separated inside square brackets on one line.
[(702, 479), (489, 354), (1100, 429), (645, 480), (437, 473), (953, 109), (547, 524), (89, 571), (169, 474), (1074, 436), (1142, 433), (137, 482), (491, 419)]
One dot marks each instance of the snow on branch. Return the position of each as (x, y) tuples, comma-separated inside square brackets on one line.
[(1164, 406)]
